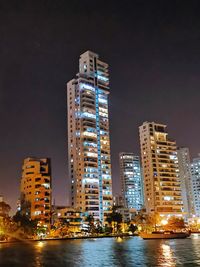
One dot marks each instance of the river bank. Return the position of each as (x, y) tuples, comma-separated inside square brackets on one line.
[(69, 238)]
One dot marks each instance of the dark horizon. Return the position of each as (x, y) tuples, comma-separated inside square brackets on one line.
[(152, 49)]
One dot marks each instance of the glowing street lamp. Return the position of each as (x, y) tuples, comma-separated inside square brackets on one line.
[(164, 222)]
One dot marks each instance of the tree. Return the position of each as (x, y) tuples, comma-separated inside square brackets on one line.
[(140, 218), (98, 227), (90, 220), (29, 226), (132, 228), (175, 223), (115, 219), (5, 221), (4, 209), (59, 229), (147, 222), (107, 229)]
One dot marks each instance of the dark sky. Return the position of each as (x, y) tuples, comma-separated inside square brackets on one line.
[(152, 47)]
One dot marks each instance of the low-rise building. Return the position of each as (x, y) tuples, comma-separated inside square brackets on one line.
[(68, 216), (36, 190), (118, 201), (4, 209)]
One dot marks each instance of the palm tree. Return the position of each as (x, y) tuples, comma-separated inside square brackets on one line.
[(147, 222), (98, 227), (115, 218), (90, 220), (175, 224), (132, 228)]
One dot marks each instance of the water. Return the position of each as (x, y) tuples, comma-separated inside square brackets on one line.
[(103, 252)]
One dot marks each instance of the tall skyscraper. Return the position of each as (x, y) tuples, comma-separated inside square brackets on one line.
[(195, 170), (36, 190), (131, 180), (162, 189), (186, 179), (88, 137)]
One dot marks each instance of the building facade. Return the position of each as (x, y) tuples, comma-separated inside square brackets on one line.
[(4, 211), (186, 180), (162, 188), (118, 201), (36, 190), (68, 216), (88, 137), (195, 170), (131, 180)]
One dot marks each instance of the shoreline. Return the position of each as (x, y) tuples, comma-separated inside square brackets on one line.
[(68, 238), (74, 238)]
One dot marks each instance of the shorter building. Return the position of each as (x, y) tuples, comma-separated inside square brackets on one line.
[(127, 214), (118, 201), (4, 209), (195, 170), (68, 216), (36, 190), (131, 181), (186, 180), (162, 186)]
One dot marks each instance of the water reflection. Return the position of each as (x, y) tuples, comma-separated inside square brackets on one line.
[(39, 246), (121, 252), (97, 253), (195, 248), (165, 256), (106, 252)]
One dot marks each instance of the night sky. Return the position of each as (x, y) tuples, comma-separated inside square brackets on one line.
[(152, 47)]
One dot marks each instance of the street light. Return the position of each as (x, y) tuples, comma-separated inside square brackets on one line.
[(164, 222)]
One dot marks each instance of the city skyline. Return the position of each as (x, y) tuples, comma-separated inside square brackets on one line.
[(33, 77)]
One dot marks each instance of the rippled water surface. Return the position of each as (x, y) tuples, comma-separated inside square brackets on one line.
[(102, 252)]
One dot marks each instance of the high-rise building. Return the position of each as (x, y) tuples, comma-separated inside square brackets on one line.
[(186, 179), (195, 170), (88, 137), (36, 190), (162, 189), (131, 180)]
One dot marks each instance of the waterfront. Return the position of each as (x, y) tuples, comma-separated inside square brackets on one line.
[(104, 252)]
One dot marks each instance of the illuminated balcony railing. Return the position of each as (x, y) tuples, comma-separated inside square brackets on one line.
[(89, 134)]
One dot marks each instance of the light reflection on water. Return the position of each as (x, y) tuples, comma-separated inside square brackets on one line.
[(102, 252), (165, 256)]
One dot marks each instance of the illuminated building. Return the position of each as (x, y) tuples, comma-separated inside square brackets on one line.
[(131, 180), (4, 210), (88, 137), (195, 170), (186, 179), (162, 189), (118, 201), (68, 216), (36, 190)]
